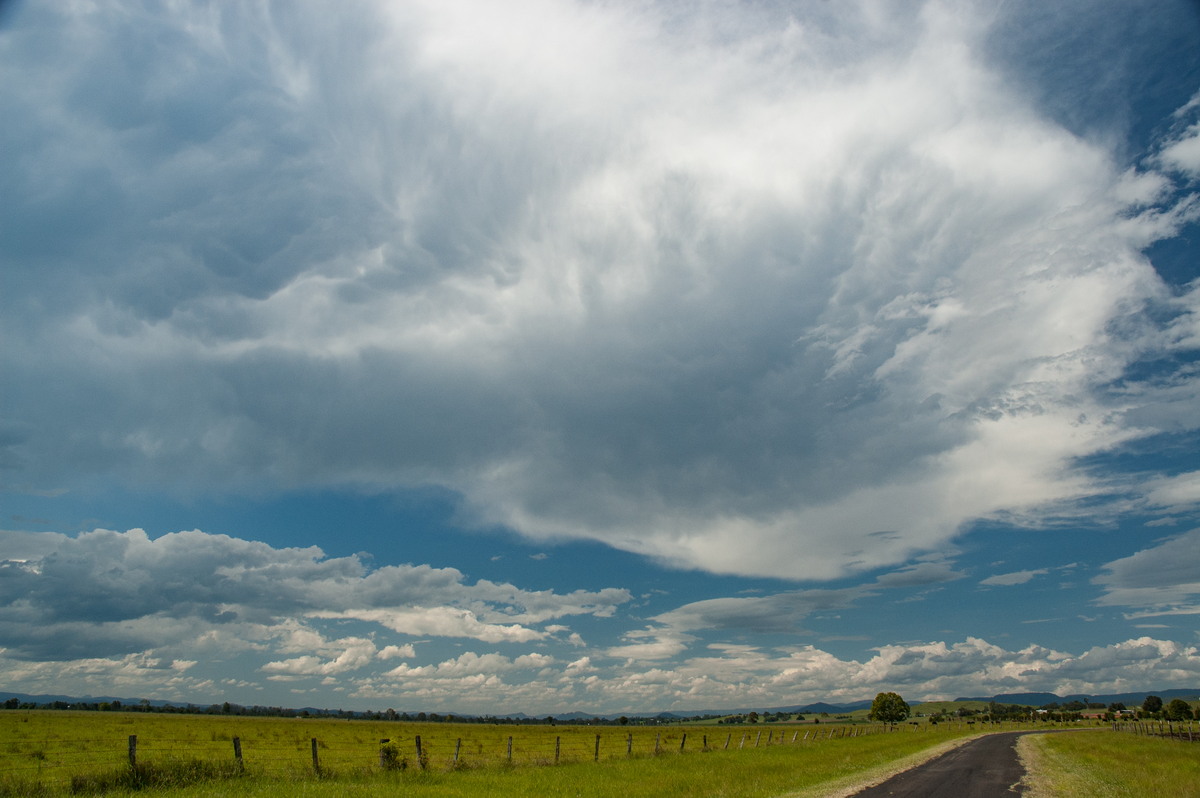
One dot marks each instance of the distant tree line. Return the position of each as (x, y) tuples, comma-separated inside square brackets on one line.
[(228, 708)]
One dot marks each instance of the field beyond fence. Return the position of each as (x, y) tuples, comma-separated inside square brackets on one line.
[(55, 752)]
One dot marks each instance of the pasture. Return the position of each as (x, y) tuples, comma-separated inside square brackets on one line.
[(1110, 765), (57, 752)]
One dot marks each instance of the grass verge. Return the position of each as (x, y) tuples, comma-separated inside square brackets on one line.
[(1106, 764)]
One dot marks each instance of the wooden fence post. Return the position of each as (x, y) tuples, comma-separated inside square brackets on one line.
[(759, 737), (596, 756), (510, 749), (727, 740), (657, 737), (457, 748), (133, 751), (683, 742), (420, 754), (237, 752), (316, 759), (557, 748), (629, 745)]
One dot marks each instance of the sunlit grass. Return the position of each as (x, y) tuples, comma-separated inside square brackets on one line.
[(1107, 764), (799, 770), (52, 751)]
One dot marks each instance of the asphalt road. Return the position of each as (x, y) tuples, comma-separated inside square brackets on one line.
[(987, 767)]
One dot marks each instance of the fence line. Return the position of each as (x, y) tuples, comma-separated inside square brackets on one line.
[(63, 759), (1175, 730)]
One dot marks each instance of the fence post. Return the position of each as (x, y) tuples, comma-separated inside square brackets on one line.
[(794, 736), (683, 742), (316, 760), (237, 752), (757, 738), (657, 737), (457, 747), (629, 745), (557, 748), (510, 749), (742, 744), (704, 743), (596, 756), (133, 751), (420, 753)]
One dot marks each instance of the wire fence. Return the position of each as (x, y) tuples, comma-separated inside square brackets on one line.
[(1184, 730)]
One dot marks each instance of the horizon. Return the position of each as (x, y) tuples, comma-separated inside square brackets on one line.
[(560, 353), (448, 715)]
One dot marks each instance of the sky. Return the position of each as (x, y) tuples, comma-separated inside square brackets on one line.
[(599, 356)]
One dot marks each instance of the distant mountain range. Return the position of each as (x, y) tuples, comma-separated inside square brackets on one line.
[(1133, 699)]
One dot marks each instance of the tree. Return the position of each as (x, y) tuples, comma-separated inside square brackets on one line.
[(1179, 709), (889, 708), (1152, 705)]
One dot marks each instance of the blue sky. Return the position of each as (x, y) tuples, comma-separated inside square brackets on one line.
[(612, 357)]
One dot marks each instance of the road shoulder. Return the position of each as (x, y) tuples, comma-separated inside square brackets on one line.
[(846, 787)]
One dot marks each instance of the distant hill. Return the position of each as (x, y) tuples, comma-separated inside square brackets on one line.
[(75, 699), (1128, 699)]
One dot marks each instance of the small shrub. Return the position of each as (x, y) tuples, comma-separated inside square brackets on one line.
[(390, 759)]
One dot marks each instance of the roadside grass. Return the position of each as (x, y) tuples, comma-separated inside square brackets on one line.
[(1107, 764)]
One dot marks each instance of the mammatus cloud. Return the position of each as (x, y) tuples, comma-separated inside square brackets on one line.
[(735, 293)]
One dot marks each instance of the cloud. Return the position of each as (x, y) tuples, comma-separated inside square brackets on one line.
[(825, 274), (439, 622), (1182, 152), (107, 592), (782, 612), (1014, 578), (355, 653), (727, 676), (1163, 579), (394, 652)]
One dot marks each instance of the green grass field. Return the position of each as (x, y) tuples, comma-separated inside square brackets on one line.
[(1110, 765), (55, 753)]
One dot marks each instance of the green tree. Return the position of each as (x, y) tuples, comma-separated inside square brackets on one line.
[(1152, 705), (889, 708), (1179, 709)]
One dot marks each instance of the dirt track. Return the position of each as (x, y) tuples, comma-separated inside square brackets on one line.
[(987, 767)]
